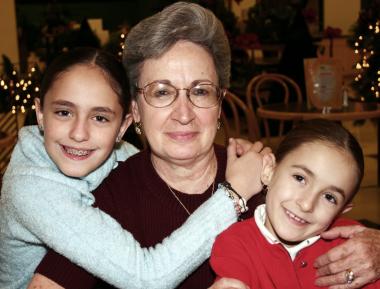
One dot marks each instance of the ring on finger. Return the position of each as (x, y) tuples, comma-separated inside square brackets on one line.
[(350, 276)]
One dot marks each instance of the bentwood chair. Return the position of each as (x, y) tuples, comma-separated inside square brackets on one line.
[(237, 120), (272, 88), (8, 137)]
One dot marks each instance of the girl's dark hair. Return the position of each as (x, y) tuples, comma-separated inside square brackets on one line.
[(321, 130), (111, 68)]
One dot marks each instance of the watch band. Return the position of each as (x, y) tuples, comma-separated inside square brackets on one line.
[(239, 202)]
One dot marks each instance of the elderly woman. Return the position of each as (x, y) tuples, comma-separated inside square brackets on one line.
[(178, 63), (154, 193)]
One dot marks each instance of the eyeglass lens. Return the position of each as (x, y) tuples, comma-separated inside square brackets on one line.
[(160, 94)]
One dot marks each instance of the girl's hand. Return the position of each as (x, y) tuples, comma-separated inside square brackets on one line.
[(228, 283)]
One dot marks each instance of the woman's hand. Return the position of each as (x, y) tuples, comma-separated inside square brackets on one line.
[(244, 165), (360, 254), (228, 283)]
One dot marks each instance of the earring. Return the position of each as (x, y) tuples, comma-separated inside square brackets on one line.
[(218, 124), (41, 127), (138, 127), (118, 139), (264, 190)]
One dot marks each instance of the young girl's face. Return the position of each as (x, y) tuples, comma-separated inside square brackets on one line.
[(82, 118), (307, 190)]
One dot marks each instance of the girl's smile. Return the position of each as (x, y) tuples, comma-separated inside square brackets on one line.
[(82, 118), (307, 190), (76, 154)]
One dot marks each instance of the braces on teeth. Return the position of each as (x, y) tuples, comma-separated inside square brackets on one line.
[(77, 152)]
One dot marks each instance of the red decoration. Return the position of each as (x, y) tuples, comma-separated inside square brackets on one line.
[(331, 32), (247, 41)]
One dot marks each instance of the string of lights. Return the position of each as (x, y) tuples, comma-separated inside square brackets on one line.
[(365, 41), (20, 90)]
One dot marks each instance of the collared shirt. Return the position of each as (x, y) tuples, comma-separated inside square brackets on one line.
[(260, 217)]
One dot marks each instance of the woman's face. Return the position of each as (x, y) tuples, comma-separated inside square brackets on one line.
[(180, 132), (82, 118)]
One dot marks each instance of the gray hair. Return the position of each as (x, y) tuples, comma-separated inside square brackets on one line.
[(155, 35)]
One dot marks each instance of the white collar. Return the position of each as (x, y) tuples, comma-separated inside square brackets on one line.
[(260, 216)]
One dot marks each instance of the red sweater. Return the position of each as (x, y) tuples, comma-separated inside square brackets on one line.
[(138, 198), (243, 253)]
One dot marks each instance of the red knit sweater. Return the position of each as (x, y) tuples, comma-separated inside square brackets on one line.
[(137, 197), (243, 253)]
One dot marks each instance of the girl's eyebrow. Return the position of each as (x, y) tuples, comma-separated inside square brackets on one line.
[(63, 102), (310, 173), (103, 109), (305, 169)]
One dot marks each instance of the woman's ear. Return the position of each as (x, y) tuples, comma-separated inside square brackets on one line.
[(269, 163), (135, 111), (224, 91), (39, 114)]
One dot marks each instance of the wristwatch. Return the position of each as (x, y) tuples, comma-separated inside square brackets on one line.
[(239, 202)]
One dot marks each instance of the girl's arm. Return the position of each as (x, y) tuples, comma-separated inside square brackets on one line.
[(111, 253), (56, 214)]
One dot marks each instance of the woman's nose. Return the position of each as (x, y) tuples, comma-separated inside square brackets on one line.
[(183, 109), (79, 131)]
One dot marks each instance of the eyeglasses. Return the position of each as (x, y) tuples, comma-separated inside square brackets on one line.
[(162, 94)]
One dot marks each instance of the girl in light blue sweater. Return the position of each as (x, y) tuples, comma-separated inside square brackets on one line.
[(46, 193)]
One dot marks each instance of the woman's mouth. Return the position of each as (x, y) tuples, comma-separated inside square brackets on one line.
[(182, 136)]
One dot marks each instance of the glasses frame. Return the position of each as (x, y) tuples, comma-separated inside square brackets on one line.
[(220, 92)]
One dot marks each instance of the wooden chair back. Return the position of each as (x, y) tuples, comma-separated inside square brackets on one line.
[(272, 87), (9, 126), (237, 120)]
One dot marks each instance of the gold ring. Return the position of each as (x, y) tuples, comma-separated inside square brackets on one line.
[(350, 276)]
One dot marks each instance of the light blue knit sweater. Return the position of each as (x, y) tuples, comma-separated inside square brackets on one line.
[(39, 205)]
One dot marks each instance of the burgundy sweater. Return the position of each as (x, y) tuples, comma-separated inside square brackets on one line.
[(140, 200)]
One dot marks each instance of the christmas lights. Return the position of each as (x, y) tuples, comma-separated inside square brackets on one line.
[(19, 91), (365, 41)]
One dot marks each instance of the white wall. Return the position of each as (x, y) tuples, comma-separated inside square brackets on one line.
[(341, 14), (8, 30)]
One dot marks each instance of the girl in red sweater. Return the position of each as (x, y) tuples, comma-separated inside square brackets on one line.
[(312, 179)]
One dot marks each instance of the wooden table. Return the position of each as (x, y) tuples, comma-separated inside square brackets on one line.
[(296, 111)]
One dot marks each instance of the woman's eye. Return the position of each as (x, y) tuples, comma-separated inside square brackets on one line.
[(200, 92), (331, 198), (161, 93), (101, 118), (299, 178), (63, 113)]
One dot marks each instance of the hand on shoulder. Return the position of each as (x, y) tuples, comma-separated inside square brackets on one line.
[(360, 254)]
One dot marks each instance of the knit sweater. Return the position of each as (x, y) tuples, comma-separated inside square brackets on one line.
[(150, 211), (39, 205), (243, 252)]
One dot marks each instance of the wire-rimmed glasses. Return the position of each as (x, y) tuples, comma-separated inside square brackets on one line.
[(162, 94)]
